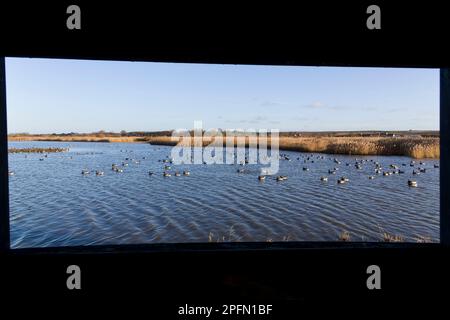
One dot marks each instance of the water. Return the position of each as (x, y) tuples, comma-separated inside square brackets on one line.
[(53, 204)]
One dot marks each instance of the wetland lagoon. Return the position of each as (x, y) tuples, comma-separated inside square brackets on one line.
[(75, 197)]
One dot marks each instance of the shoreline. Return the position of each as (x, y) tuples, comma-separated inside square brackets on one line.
[(412, 146)]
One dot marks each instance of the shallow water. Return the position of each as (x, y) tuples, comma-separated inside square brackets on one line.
[(53, 204)]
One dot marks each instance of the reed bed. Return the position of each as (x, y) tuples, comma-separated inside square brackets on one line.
[(412, 146)]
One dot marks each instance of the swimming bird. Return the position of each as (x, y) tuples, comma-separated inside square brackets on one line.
[(305, 169), (85, 172), (324, 178), (412, 183), (11, 173), (166, 167), (261, 178), (186, 173), (177, 174), (240, 170), (281, 178), (150, 173), (331, 171), (99, 173), (371, 177), (166, 174), (436, 166)]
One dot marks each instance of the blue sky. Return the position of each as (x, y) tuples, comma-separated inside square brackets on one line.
[(48, 95)]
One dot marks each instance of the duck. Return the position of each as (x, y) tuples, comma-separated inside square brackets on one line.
[(323, 178), (416, 172), (177, 174), (240, 170), (412, 183), (99, 173), (436, 166), (11, 173), (151, 173), (385, 173), (167, 167), (186, 173), (119, 170), (331, 171), (305, 169), (281, 178), (423, 170), (166, 174), (124, 164), (371, 177), (85, 172), (261, 178), (345, 179)]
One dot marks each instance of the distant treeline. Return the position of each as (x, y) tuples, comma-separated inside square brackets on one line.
[(168, 133)]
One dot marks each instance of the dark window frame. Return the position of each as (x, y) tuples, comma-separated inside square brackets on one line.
[(232, 246)]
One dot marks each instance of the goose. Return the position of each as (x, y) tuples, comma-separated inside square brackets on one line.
[(412, 183), (323, 178), (261, 178), (166, 174), (186, 173)]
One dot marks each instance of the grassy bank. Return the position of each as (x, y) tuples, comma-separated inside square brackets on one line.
[(413, 146), (36, 150)]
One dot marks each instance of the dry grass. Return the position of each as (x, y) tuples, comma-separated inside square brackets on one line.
[(387, 237), (414, 146), (344, 236)]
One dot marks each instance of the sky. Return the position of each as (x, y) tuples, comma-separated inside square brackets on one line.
[(56, 96)]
